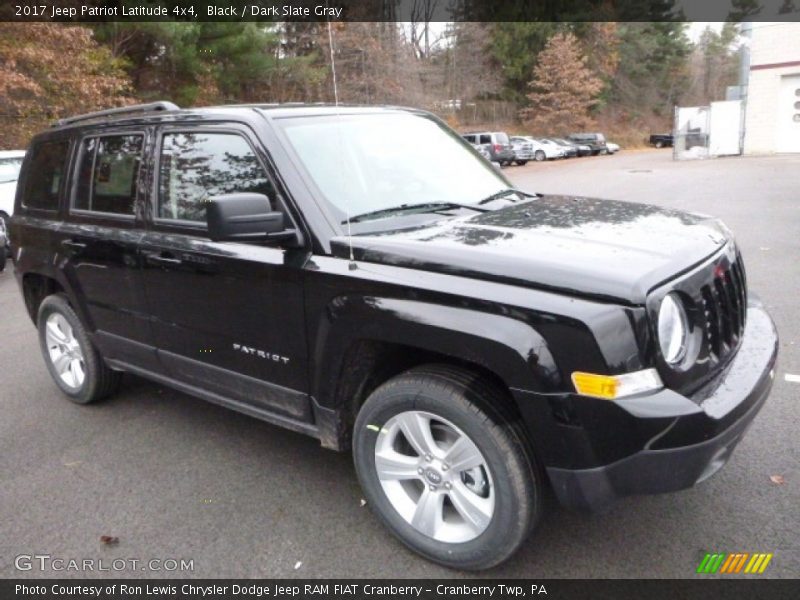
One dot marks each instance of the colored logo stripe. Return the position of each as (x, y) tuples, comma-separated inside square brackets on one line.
[(734, 562)]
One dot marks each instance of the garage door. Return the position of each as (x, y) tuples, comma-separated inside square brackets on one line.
[(789, 115)]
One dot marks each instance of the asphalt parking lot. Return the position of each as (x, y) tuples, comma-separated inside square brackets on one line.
[(174, 477)]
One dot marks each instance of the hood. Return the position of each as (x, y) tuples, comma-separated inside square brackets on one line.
[(599, 248)]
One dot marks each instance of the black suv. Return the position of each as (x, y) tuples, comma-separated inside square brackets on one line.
[(595, 141), (361, 275)]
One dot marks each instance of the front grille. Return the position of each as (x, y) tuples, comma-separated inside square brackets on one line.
[(724, 302)]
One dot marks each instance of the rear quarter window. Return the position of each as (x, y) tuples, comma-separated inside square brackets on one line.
[(44, 175)]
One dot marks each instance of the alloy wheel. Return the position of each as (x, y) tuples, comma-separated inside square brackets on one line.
[(64, 351), (435, 477)]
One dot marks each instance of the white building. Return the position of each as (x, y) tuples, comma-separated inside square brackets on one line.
[(772, 109)]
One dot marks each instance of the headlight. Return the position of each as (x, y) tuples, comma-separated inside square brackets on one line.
[(673, 329)]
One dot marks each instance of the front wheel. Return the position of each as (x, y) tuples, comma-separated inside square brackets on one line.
[(75, 365), (539, 155), (522, 163), (444, 469)]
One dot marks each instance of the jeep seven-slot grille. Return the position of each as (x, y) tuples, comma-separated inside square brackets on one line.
[(725, 307)]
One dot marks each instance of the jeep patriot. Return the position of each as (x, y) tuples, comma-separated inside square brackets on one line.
[(363, 276)]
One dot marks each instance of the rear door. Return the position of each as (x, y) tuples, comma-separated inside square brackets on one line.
[(99, 242), (228, 317)]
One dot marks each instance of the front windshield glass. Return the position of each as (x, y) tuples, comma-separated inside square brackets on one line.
[(370, 162), (9, 169)]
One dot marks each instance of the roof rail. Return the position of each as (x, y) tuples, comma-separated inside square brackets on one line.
[(122, 110)]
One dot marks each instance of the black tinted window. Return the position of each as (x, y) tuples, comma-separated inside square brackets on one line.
[(196, 166), (108, 174), (486, 139), (44, 175)]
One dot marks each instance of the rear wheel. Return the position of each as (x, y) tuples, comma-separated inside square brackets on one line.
[(539, 155), (444, 469), (75, 365), (659, 144), (522, 163)]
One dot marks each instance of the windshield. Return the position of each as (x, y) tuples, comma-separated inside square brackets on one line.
[(9, 169), (370, 162)]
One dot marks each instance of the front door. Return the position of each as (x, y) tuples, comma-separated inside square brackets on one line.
[(228, 317)]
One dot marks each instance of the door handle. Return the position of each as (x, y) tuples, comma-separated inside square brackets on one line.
[(73, 245), (160, 258)]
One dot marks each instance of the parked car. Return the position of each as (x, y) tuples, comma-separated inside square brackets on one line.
[(612, 147), (572, 148), (662, 140), (483, 151), (596, 141), (523, 150), (10, 163), (496, 142), (540, 151), (470, 342), (558, 150)]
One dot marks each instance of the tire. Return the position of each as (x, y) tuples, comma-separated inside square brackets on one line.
[(60, 328), (522, 163), (539, 156), (457, 407), (659, 144)]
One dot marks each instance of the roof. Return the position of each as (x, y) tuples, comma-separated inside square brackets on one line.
[(12, 153), (160, 110)]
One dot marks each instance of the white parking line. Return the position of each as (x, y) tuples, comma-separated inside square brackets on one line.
[(792, 378)]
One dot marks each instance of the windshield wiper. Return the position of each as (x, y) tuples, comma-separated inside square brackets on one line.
[(503, 193), (419, 208)]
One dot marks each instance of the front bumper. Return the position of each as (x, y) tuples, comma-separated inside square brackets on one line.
[(699, 437)]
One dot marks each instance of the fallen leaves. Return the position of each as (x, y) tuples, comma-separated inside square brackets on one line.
[(777, 479), (109, 540), (298, 564)]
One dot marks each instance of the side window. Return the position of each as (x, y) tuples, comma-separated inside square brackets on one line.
[(196, 166), (486, 139), (470, 138), (108, 173), (44, 175)]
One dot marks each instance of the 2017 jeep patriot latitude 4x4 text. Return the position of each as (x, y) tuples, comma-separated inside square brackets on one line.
[(363, 276)]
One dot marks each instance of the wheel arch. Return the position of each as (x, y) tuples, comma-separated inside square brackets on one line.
[(35, 288), (363, 342)]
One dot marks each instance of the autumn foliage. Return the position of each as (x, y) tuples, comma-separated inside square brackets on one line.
[(564, 89), (48, 71), (533, 77)]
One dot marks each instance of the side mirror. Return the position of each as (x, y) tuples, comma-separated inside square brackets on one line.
[(245, 217)]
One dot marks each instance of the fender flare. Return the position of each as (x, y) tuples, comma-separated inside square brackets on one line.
[(510, 348)]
